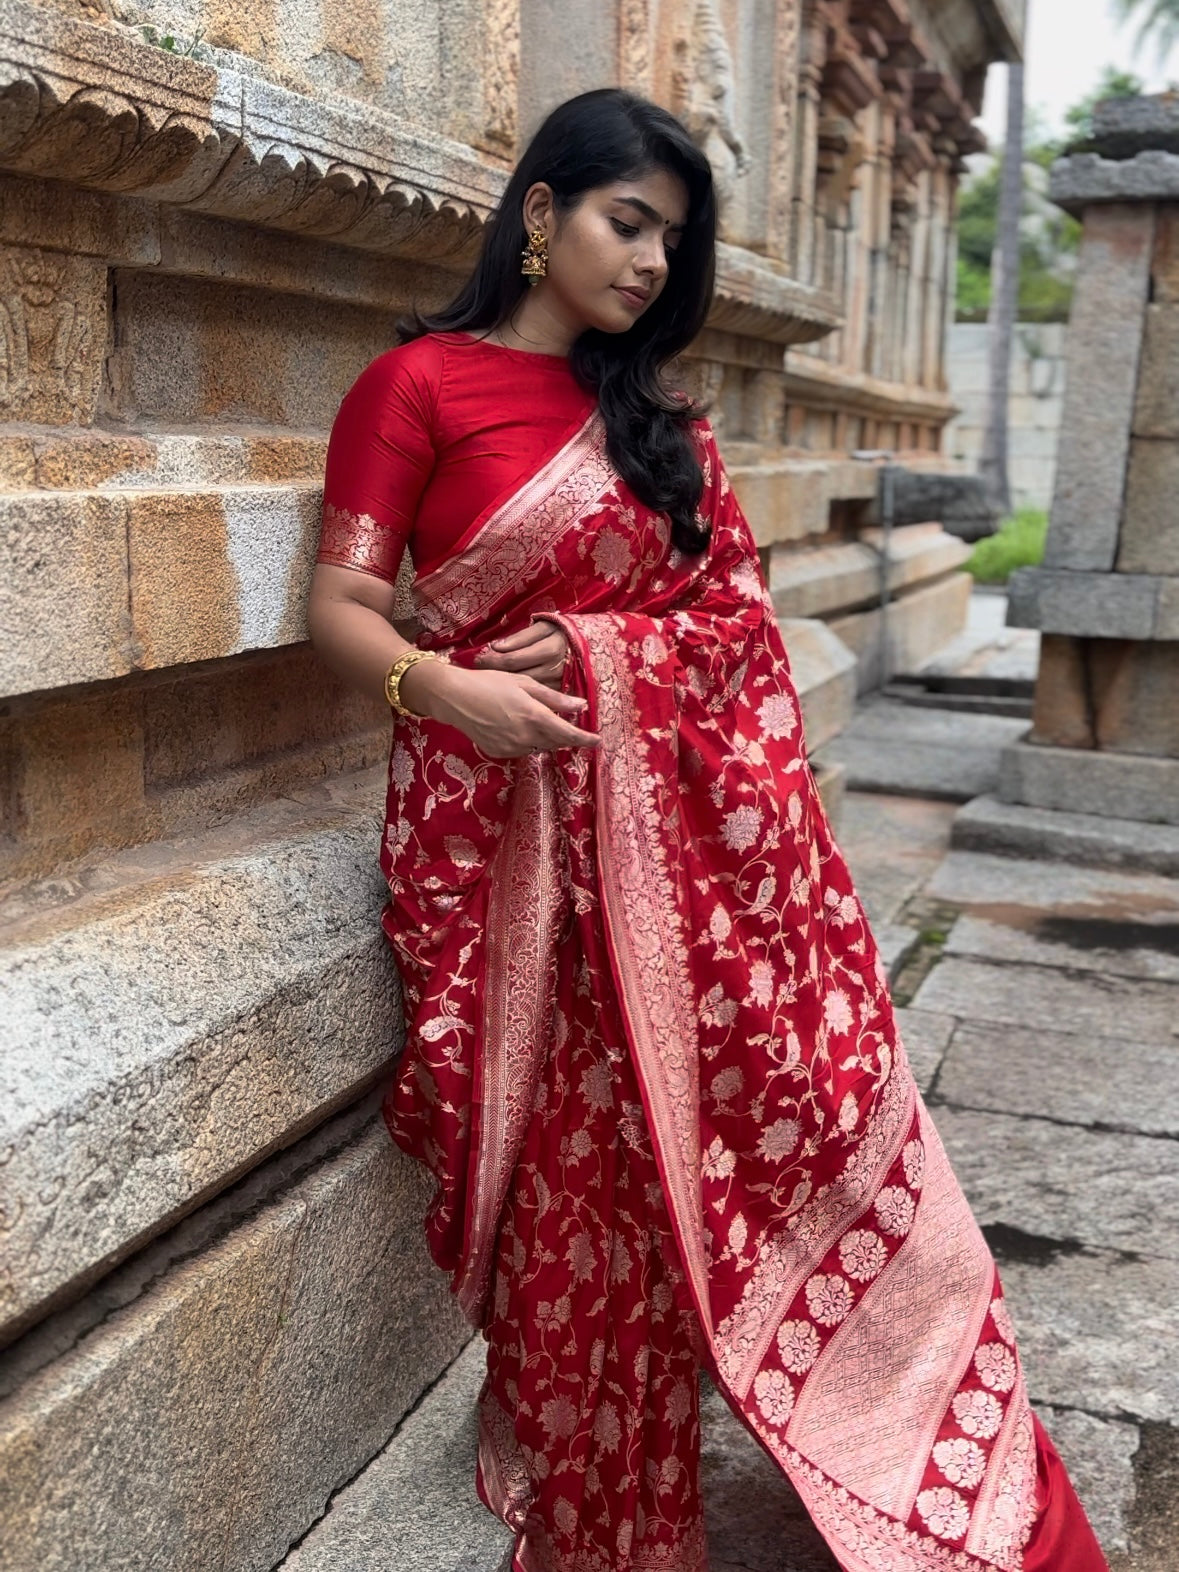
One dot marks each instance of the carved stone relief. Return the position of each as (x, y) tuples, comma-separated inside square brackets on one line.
[(705, 97), (52, 335)]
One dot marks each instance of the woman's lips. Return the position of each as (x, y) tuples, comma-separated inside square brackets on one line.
[(632, 297)]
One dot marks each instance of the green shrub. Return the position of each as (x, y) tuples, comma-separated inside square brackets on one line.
[(1018, 543)]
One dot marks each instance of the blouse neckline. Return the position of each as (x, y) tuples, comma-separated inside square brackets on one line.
[(531, 355)]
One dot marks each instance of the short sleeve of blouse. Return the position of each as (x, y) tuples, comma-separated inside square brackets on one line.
[(380, 456)]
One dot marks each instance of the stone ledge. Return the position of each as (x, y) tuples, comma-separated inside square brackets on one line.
[(757, 300), (206, 1423), (920, 622), (826, 579), (1090, 781), (96, 584), (94, 108), (140, 1076), (1083, 179), (1094, 605), (987, 824), (823, 670)]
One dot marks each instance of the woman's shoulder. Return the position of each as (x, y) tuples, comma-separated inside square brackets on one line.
[(403, 382), (418, 360)]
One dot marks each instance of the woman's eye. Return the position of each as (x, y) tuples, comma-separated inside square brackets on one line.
[(624, 229)]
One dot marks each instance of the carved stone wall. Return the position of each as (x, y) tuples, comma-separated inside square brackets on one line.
[(198, 252)]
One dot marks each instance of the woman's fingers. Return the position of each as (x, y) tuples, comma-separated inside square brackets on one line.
[(523, 637), (546, 651), (562, 732)]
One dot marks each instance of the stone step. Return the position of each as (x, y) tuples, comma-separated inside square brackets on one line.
[(140, 1072), (891, 746), (917, 622), (987, 824), (821, 580), (198, 1409)]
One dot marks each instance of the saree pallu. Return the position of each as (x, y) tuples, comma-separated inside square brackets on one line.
[(653, 1064)]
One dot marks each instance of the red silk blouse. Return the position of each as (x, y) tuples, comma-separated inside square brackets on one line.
[(429, 435)]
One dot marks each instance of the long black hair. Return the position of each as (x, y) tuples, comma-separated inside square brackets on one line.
[(591, 140)]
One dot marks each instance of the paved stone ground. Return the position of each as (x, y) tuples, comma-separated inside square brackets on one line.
[(1039, 1003)]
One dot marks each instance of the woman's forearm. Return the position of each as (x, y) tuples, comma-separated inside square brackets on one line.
[(360, 644)]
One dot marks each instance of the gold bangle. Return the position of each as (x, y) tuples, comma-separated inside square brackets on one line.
[(395, 673)]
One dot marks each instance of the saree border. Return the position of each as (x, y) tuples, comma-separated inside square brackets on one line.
[(523, 915), (655, 992), (507, 544), (960, 1308)]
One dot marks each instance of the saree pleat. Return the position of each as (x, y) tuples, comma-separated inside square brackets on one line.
[(653, 1063)]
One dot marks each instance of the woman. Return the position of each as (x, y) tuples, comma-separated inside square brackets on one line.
[(651, 1056)]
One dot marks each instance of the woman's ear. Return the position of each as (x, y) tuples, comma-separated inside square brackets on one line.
[(538, 206)]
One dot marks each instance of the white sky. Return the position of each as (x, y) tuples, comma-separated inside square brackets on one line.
[(1067, 45)]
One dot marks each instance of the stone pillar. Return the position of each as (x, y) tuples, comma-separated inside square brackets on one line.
[(1105, 733)]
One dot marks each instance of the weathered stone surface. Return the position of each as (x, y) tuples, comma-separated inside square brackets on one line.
[(782, 501), (896, 942), (1105, 330), (1086, 180), (985, 824), (1105, 1005), (1158, 376), (1142, 123), (1097, 1331), (62, 801), (1072, 1078), (919, 750), (272, 146), (1098, 1454), (1093, 781), (217, 572), (829, 578), (1006, 884), (55, 335), (960, 503), (197, 350), (1077, 943), (1063, 706), (1059, 1183), (1164, 274), (90, 224), (1149, 541), (207, 1423), (893, 844), (89, 773), (1094, 605), (415, 1504), (919, 622), (135, 1085), (1108, 693), (823, 671), (63, 590), (926, 1036)]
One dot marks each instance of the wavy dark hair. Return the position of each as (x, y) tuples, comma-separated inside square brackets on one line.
[(589, 141)]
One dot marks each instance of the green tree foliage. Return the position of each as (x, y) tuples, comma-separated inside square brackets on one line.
[(1049, 238)]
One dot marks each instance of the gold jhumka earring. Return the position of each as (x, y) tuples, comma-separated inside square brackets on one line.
[(536, 257)]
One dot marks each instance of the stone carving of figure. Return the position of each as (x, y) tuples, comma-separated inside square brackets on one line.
[(43, 340), (707, 98)]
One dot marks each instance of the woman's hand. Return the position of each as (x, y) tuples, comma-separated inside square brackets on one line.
[(537, 651), (504, 713)]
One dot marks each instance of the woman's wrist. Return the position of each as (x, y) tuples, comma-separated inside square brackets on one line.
[(423, 684)]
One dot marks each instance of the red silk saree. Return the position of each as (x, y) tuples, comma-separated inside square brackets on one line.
[(653, 1065)]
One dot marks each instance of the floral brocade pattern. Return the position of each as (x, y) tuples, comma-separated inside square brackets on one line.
[(697, 1137)]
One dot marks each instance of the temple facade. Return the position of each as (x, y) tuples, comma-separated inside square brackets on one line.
[(214, 1298)]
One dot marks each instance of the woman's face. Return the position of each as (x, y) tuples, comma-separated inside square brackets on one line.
[(608, 257)]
